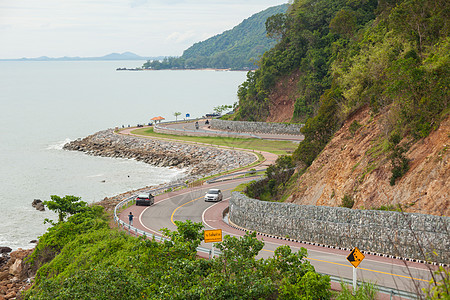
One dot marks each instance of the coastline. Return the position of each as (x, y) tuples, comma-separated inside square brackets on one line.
[(198, 161), (196, 69)]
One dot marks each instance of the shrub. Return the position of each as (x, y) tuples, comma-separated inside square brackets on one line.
[(366, 291), (347, 201), (400, 164), (354, 127)]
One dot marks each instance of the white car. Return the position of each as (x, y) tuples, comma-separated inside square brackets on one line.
[(213, 195)]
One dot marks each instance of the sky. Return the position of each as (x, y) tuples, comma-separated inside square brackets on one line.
[(89, 28)]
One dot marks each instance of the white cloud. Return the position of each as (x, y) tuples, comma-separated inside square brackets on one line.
[(96, 27), (177, 37)]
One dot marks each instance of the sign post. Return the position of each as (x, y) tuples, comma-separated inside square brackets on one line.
[(355, 258), (212, 236)]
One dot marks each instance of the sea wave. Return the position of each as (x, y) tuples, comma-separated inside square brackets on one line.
[(58, 145), (96, 175)]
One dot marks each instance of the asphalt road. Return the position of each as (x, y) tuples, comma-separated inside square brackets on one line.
[(188, 204)]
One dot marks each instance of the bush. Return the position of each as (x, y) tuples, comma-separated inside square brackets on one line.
[(104, 263), (347, 201), (366, 291), (400, 164), (354, 127)]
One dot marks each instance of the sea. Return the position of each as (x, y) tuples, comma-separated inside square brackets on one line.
[(47, 104)]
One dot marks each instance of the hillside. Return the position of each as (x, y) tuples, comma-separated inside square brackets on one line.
[(238, 48), (371, 82), (355, 165)]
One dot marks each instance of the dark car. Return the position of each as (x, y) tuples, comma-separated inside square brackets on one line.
[(146, 199)]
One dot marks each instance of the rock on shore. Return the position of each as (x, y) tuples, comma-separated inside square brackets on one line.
[(196, 159), (13, 274)]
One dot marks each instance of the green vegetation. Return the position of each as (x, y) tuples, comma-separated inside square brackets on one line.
[(276, 147), (400, 164), (82, 258), (388, 208), (354, 127), (366, 291), (222, 108), (307, 45), (278, 175), (64, 207), (386, 55), (176, 114), (440, 285), (238, 48), (347, 201)]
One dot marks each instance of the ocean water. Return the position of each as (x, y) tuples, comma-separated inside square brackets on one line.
[(46, 104)]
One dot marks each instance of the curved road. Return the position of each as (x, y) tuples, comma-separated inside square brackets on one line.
[(189, 204)]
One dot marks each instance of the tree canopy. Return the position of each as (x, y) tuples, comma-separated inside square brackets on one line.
[(238, 48)]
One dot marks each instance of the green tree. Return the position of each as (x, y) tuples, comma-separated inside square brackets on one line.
[(185, 240), (176, 114), (276, 26), (66, 206), (439, 285), (221, 108)]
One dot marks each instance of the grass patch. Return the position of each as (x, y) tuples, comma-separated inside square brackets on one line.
[(242, 187), (130, 203), (276, 147), (381, 146), (355, 166), (255, 163), (388, 208), (368, 170)]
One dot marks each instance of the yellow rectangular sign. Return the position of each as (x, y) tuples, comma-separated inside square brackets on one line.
[(213, 236)]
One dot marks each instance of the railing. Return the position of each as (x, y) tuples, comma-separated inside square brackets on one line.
[(234, 175), (382, 289)]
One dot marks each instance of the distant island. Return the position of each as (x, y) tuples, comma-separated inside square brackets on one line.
[(112, 56)]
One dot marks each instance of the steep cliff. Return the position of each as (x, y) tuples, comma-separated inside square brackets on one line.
[(356, 165), (282, 98)]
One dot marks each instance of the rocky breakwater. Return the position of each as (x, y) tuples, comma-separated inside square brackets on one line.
[(13, 272), (198, 160)]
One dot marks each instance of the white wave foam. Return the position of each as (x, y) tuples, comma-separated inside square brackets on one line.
[(96, 175), (59, 145)]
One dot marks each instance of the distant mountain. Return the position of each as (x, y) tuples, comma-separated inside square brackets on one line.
[(238, 48), (112, 56)]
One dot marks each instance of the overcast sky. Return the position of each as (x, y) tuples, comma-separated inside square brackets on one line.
[(55, 28)]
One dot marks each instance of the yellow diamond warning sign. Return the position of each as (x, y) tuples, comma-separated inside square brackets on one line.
[(355, 257), (213, 236)]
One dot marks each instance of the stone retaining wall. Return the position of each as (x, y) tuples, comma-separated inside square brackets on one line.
[(261, 127), (376, 231), (164, 130)]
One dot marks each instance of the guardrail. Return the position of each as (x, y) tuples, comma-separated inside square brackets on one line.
[(139, 232), (382, 289), (234, 175)]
